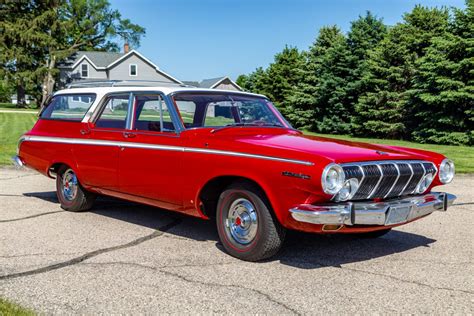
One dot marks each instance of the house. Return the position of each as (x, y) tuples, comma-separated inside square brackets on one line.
[(129, 65), (96, 66), (224, 83)]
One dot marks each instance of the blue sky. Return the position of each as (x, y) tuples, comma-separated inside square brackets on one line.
[(197, 39)]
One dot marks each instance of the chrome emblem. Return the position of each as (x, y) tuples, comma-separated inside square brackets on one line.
[(381, 152)]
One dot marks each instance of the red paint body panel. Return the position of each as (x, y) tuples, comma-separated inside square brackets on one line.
[(173, 178)]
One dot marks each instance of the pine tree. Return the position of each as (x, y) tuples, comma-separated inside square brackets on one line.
[(365, 34), (384, 110), (320, 101), (443, 87)]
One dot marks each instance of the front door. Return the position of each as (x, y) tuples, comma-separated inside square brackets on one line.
[(150, 160), (98, 158)]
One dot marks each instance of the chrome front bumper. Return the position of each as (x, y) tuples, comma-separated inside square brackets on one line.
[(391, 212)]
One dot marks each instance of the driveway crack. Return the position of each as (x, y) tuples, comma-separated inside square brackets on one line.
[(160, 231), (205, 283), (28, 217), (408, 281)]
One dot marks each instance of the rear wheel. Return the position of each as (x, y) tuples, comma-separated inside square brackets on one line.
[(71, 195), (245, 224)]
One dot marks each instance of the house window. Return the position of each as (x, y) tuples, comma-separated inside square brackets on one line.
[(84, 70), (133, 70)]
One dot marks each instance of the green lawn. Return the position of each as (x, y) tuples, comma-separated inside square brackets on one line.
[(13, 125), (9, 308)]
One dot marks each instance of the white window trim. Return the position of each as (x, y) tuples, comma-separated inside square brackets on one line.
[(130, 70), (87, 66)]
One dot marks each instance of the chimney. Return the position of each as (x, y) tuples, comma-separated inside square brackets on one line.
[(126, 48)]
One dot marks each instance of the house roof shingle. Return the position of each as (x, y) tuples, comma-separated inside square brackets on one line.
[(208, 83), (100, 59)]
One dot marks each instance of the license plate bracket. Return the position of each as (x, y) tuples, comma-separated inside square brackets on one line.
[(397, 214)]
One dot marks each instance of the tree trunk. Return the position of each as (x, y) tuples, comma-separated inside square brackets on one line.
[(20, 95), (48, 81)]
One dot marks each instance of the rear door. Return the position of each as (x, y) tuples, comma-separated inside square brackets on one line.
[(150, 160), (98, 158)]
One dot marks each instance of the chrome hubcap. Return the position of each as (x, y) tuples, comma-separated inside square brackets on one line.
[(242, 222), (69, 185)]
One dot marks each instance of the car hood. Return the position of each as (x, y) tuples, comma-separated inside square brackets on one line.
[(312, 147)]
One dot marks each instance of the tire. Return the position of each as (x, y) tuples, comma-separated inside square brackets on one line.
[(374, 234), (71, 195), (246, 225)]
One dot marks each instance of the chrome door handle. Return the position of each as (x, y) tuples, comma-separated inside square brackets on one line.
[(129, 135)]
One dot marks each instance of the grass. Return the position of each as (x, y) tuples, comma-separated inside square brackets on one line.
[(13, 125), (11, 106), (9, 308), (463, 156)]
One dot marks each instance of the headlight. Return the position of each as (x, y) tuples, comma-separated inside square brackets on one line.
[(446, 171), (424, 183), (332, 179), (348, 190)]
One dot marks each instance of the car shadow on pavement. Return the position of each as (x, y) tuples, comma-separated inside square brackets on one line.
[(300, 250), (310, 251)]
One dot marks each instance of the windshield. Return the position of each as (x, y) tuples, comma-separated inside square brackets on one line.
[(221, 109)]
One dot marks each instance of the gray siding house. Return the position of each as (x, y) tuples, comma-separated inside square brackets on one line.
[(94, 66), (129, 65)]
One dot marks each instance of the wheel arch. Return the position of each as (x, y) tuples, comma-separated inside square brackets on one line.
[(208, 196)]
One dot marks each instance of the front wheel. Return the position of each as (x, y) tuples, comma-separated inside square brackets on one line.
[(71, 195), (245, 224)]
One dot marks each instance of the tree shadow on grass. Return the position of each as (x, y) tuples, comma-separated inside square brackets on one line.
[(300, 250)]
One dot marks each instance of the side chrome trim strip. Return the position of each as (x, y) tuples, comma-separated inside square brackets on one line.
[(78, 141)]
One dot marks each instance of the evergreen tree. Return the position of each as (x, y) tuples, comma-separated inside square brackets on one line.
[(283, 75), (443, 87), (320, 100), (384, 109), (365, 34)]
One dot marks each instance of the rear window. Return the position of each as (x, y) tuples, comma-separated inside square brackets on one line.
[(69, 107)]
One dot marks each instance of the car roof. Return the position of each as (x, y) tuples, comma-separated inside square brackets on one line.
[(100, 91)]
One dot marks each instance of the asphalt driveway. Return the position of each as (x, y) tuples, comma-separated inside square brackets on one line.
[(127, 258)]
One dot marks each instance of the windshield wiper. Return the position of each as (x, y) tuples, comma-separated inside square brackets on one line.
[(244, 124)]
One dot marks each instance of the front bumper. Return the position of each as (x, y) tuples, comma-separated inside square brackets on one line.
[(391, 212)]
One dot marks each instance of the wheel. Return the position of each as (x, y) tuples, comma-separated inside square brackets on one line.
[(374, 234), (245, 224), (71, 195)]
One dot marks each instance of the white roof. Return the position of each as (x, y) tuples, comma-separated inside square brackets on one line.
[(100, 91)]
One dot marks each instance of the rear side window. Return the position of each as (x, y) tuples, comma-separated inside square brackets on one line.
[(114, 112), (68, 107), (152, 114)]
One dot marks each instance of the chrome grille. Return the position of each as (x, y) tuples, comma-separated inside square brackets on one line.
[(387, 179)]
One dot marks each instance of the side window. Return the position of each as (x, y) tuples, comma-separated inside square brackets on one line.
[(219, 114), (114, 113), (69, 107), (187, 110), (152, 114)]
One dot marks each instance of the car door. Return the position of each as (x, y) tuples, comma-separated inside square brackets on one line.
[(150, 160), (98, 157)]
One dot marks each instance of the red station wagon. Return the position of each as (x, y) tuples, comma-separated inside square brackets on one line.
[(230, 156)]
